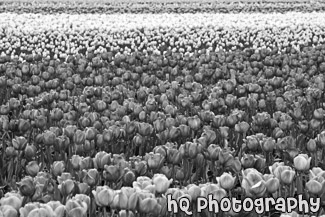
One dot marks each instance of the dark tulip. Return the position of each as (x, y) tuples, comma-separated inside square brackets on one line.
[(111, 173), (30, 152), (26, 186), (128, 177)]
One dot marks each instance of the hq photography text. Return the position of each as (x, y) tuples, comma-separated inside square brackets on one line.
[(259, 205)]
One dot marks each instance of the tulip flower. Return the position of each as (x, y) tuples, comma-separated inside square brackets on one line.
[(316, 186), (27, 187), (58, 168), (30, 152), (142, 182), (287, 176), (154, 161), (302, 162), (161, 183), (128, 177), (103, 196), (189, 150), (32, 168), (66, 187), (111, 173), (148, 205), (253, 183), (79, 137), (57, 207), (248, 161), (101, 159), (124, 213), (12, 199), (91, 177), (272, 184), (75, 161), (226, 181), (173, 156), (311, 145), (120, 200), (76, 208), (19, 143), (49, 137), (86, 163)]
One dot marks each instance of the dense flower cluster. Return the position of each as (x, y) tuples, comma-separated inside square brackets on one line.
[(156, 7), (58, 35), (105, 115)]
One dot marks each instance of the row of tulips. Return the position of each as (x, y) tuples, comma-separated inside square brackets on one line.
[(58, 35), (147, 196), (160, 7)]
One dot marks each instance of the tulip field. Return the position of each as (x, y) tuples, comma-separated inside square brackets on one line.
[(154, 108)]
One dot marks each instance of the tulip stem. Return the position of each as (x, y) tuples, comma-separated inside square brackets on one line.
[(315, 158)]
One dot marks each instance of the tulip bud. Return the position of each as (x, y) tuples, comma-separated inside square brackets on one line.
[(179, 174), (311, 145), (30, 152), (32, 168), (128, 178)]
